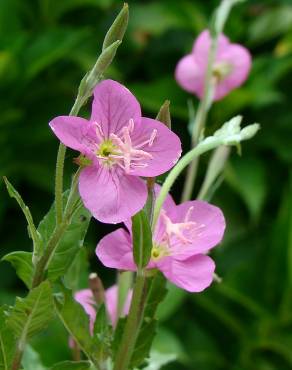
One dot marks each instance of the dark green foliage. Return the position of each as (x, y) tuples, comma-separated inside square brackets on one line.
[(142, 239), (245, 322)]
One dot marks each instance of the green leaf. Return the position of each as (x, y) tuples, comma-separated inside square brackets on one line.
[(174, 299), (31, 359), (7, 342), (164, 114), (142, 239), (76, 322), (22, 262), (33, 233), (157, 360), (143, 344), (118, 28), (32, 313), (157, 293), (71, 242), (70, 365)]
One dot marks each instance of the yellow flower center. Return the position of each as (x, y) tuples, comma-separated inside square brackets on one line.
[(106, 148), (158, 251)]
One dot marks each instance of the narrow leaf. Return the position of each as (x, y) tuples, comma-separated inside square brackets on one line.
[(143, 344), (118, 28), (157, 293), (32, 313), (22, 262), (33, 233), (164, 114), (142, 239), (7, 342)]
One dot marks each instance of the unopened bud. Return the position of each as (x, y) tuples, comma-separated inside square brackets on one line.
[(118, 28), (96, 287)]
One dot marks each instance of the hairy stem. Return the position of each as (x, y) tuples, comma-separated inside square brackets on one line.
[(60, 169), (133, 324), (201, 148)]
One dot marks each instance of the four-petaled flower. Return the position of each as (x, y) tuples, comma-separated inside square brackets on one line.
[(119, 145), (86, 299), (183, 236), (230, 70)]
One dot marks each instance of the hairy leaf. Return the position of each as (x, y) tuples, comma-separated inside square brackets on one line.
[(22, 262), (71, 242), (32, 313), (7, 342)]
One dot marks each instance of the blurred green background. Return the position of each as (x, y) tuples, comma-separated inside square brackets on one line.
[(46, 46)]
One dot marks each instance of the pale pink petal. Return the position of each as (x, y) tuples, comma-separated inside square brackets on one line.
[(113, 106), (111, 300), (239, 59), (110, 195), (189, 76), (207, 231), (165, 148), (202, 46), (74, 132), (168, 205), (193, 274), (115, 250)]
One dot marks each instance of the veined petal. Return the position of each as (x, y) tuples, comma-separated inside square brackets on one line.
[(115, 250), (113, 106), (74, 132), (193, 274), (110, 195), (207, 230), (165, 148)]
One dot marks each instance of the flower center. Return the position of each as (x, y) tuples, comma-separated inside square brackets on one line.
[(107, 148), (221, 70), (158, 252), (119, 150)]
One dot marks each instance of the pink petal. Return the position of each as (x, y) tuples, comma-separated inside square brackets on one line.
[(240, 60), (115, 251), (110, 195), (74, 132), (193, 274), (209, 231), (189, 76), (111, 298), (113, 106), (85, 298), (165, 149), (202, 46)]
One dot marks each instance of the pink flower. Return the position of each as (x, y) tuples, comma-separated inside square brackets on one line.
[(183, 235), (86, 299), (231, 68), (120, 146)]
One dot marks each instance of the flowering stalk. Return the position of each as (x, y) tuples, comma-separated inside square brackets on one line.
[(229, 134), (133, 323), (205, 104)]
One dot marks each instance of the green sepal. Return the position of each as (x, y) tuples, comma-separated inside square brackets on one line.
[(142, 239)]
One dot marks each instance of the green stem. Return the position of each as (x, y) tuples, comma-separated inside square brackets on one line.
[(60, 168), (200, 120), (43, 263), (201, 148), (133, 324)]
